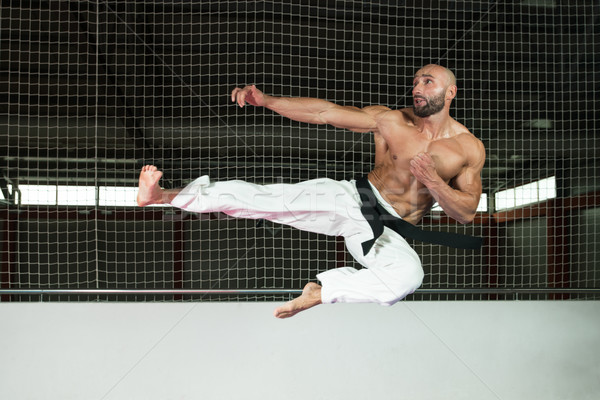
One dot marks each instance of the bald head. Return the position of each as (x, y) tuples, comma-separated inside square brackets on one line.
[(434, 88), (439, 72)]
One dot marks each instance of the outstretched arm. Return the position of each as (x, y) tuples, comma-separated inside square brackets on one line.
[(460, 201), (311, 110)]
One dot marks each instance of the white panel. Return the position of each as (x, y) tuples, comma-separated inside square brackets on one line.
[(413, 350)]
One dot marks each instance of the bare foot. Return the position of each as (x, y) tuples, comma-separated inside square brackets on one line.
[(149, 191), (310, 297)]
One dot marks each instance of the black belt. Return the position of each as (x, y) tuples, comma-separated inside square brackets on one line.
[(378, 217)]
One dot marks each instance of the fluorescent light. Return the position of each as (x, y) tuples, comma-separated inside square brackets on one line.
[(523, 195), (64, 195), (505, 199), (117, 196), (38, 194), (547, 188), (483, 203), (76, 196)]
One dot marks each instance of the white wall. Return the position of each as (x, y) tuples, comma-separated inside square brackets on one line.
[(413, 350)]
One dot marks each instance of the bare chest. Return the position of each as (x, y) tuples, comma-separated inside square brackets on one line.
[(448, 156)]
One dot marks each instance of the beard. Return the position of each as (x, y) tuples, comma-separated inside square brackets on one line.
[(433, 106)]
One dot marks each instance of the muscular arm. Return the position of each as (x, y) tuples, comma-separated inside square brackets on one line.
[(460, 201), (311, 110)]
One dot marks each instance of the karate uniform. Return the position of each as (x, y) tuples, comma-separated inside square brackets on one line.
[(392, 268)]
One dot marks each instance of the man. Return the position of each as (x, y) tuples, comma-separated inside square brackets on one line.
[(422, 156)]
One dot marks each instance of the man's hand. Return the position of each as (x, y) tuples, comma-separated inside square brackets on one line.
[(422, 167), (250, 94)]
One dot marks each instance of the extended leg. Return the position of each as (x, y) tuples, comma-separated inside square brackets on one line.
[(319, 205)]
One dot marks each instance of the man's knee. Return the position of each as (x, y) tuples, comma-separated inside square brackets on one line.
[(406, 282)]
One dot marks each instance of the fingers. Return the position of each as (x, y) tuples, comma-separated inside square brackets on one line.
[(416, 169), (234, 93), (422, 167), (419, 161), (239, 95), (423, 157)]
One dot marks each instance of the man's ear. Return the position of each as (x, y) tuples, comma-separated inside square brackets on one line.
[(451, 92)]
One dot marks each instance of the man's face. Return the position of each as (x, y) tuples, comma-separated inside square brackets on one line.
[(425, 106), (429, 93)]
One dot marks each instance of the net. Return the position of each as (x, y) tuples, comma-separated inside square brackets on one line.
[(92, 91)]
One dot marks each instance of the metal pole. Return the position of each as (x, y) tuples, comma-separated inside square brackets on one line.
[(281, 291)]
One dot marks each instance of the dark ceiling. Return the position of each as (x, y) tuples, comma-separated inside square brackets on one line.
[(92, 90)]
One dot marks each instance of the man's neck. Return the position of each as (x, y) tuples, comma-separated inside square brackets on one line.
[(436, 126)]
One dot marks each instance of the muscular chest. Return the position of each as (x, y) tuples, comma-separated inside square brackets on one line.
[(447, 154)]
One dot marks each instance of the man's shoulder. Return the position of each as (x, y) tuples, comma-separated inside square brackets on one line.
[(408, 113), (472, 147), (404, 116), (464, 134), (376, 109)]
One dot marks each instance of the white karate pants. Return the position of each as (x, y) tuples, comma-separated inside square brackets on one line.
[(393, 268)]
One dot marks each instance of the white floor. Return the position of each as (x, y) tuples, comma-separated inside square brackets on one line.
[(413, 350)]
